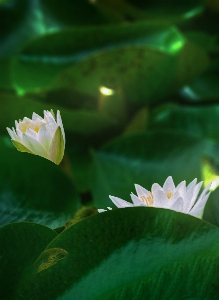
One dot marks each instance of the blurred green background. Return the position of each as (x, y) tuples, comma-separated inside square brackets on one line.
[(137, 86)]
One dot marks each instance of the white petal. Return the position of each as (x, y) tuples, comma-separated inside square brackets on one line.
[(169, 184), (160, 199), (199, 206), (191, 185), (137, 201), (13, 135), (44, 138), (174, 197), (120, 203), (20, 134), (51, 119), (198, 210), (48, 116), (178, 205), (155, 187), (32, 133), (181, 188), (36, 116), (59, 122), (51, 126), (51, 129), (141, 191), (192, 198), (190, 191), (100, 210), (34, 146), (25, 119), (205, 191), (27, 122)]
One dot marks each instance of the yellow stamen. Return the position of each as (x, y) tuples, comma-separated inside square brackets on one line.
[(149, 200), (24, 126), (169, 194)]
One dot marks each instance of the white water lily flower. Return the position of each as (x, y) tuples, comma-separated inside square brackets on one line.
[(40, 136), (181, 198)]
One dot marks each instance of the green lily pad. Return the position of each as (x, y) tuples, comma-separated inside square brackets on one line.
[(40, 61), (139, 73), (81, 121), (131, 253), (187, 119), (203, 88), (20, 22), (33, 189), (158, 9), (201, 38), (20, 244), (77, 12)]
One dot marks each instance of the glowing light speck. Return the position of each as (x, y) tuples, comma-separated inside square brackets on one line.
[(176, 46), (105, 91)]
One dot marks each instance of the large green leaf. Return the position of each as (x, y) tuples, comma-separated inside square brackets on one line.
[(132, 253), (77, 12), (20, 245), (197, 121), (144, 159), (20, 21), (204, 87), (140, 74), (142, 60), (132, 10), (207, 21), (203, 39), (44, 58), (33, 189), (192, 61), (184, 9), (82, 121)]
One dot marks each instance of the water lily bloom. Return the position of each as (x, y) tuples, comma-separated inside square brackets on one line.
[(40, 136), (181, 198)]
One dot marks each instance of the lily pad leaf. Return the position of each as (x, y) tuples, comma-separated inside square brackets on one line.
[(130, 253)]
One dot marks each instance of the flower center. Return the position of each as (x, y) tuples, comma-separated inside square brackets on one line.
[(169, 194), (149, 200), (23, 126)]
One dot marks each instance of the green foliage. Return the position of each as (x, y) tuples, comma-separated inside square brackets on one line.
[(68, 47), (124, 162), (31, 189), (78, 12), (81, 121), (129, 253), (20, 245), (187, 119), (137, 86)]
